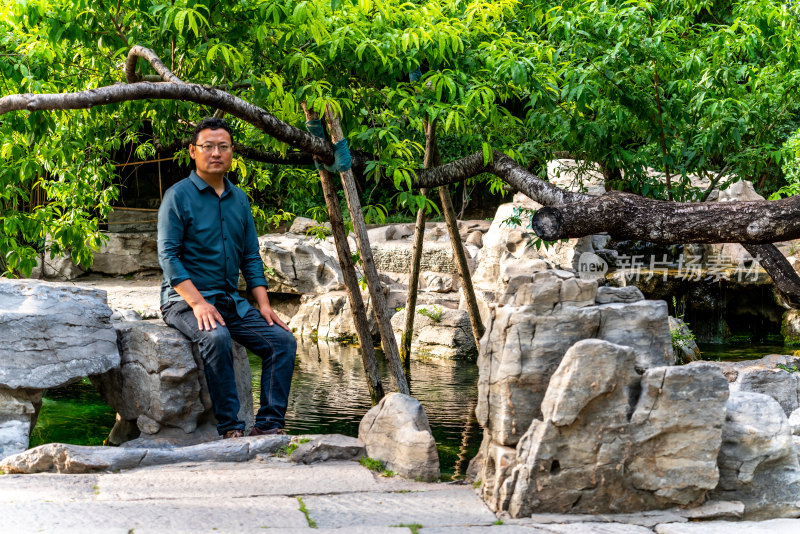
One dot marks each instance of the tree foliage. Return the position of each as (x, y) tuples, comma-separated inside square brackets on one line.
[(685, 87)]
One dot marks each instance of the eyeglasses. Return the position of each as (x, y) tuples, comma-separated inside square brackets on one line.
[(209, 147)]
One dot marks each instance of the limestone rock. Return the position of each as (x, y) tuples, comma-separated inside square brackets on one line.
[(642, 326), (757, 461), (520, 351), (676, 431), (437, 257), (296, 264), (449, 338), (63, 458), (160, 381), (580, 441), (608, 294), (329, 447), (396, 431), (330, 317), (578, 176), (127, 253), (18, 411), (504, 245), (771, 380), (301, 225), (52, 333), (794, 422)]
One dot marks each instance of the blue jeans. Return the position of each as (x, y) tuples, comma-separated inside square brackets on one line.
[(275, 346)]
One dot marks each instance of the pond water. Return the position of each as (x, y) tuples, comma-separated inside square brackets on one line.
[(328, 395)]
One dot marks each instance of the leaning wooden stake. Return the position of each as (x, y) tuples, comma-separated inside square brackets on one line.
[(413, 282), (463, 268), (431, 159), (368, 357), (370, 272)]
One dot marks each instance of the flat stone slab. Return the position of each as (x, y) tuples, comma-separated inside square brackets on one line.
[(493, 529), (644, 519), (595, 528), (443, 507), (178, 515), (770, 526), (253, 478), (46, 487), (64, 458)]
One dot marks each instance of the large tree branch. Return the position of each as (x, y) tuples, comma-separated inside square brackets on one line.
[(504, 167), (137, 52), (198, 94), (628, 216)]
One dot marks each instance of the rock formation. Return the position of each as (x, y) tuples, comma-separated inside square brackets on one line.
[(396, 432), (50, 334)]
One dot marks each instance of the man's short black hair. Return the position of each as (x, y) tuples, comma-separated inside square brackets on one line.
[(210, 123)]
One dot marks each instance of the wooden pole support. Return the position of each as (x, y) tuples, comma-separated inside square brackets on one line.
[(463, 268), (413, 282), (370, 271), (368, 357)]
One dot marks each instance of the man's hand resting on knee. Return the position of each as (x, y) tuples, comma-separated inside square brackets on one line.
[(269, 315), (206, 314)]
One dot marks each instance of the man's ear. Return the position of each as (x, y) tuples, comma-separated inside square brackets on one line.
[(192, 149)]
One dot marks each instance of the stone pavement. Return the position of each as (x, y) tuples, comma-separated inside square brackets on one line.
[(276, 495)]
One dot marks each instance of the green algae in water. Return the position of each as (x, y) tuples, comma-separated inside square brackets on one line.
[(731, 352), (74, 414)]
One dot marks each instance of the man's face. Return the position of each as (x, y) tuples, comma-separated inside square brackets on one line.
[(216, 162)]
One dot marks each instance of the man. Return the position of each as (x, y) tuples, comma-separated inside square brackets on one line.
[(206, 235)]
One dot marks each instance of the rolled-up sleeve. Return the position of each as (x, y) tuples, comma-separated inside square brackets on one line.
[(252, 266), (170, 240)]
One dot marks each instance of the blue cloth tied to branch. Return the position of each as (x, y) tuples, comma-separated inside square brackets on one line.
[(341, 153)]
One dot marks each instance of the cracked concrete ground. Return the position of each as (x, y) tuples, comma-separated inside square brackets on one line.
[(273, 494)]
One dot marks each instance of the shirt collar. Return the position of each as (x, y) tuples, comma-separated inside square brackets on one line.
[(201, 184)]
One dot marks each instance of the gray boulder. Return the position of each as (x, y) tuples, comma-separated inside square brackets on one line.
[(127, 253), (676, 431), (52, 333), (330, 317), (450, 337), (588, 454), (18, 411), (757, 462), (160, 382), (329, 447), (396, 432), (299, 265)]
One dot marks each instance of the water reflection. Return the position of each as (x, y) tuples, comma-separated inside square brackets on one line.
[(731, 352), (329, 395)]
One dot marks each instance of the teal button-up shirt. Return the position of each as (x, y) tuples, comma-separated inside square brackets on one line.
[(207, 239)]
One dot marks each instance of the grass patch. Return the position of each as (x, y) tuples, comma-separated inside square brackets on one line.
[(311, 522), (498, 522), (376, 465), (414, 527), (287, 450), (96, 489), (476, 484)]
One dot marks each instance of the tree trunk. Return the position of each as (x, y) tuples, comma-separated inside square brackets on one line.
[(463, 268), (628, 216), (368, 357), (431, 155), (413, 282), (370, 272)]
